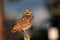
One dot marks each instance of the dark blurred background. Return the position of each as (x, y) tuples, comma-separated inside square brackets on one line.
[(46, 15)]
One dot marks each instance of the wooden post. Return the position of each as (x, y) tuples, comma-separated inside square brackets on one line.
[(1, 21), (26, 37)]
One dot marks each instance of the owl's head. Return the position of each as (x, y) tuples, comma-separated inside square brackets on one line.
[(27, 12)]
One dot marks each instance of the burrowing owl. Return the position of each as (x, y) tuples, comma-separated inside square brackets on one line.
[(24, 23)]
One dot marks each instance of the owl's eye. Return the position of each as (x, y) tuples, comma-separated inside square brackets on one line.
[(27, 13)]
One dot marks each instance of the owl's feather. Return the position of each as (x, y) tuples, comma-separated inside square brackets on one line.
[(24, 23)]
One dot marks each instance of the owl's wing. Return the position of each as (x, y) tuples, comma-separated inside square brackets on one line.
[(20, 20), (31, 19)]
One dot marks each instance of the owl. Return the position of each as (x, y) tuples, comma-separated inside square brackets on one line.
[(24, 23)]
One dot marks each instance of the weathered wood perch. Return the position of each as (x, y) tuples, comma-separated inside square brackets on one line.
[(26, 36)]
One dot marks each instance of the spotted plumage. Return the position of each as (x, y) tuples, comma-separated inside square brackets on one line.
[(25, 22)]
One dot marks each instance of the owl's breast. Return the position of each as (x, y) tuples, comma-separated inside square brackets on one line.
[(26, 19), (24, 23)]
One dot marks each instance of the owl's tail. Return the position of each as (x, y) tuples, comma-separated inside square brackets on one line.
[(13, 30)]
